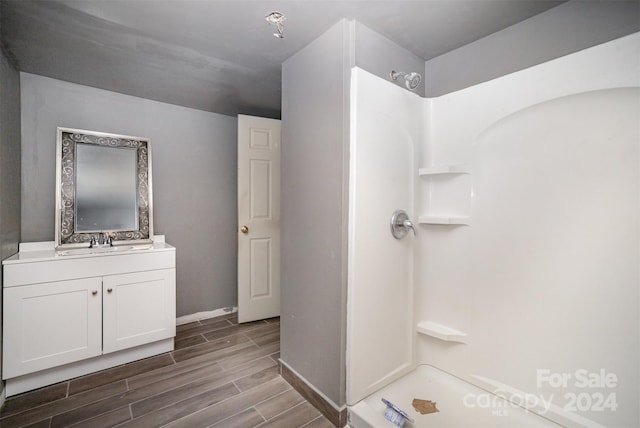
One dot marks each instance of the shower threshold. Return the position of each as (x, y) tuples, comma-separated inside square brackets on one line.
[(459, 404)]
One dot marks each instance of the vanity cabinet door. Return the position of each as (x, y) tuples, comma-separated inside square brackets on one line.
[(138, 308), (51, 324)]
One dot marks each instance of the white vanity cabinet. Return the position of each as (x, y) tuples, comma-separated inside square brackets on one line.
[(51, 324), (65, 316), (137, 308)]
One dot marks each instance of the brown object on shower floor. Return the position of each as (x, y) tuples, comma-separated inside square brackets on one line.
[(424, 406)]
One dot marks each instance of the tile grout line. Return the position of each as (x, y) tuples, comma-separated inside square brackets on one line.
[(77, 423), (198, 323), (126, 382), (172, 404), (267, 399), (243, 363), (277, 395), (237, 413), (259, 325), (258, 410), (179, 333), (284, 411), (130, 364), (52, 415), (205, 365), (123, 422), (320, 416), (190, 396), (66, 395), (203, 409), (233, 367), (127, 387), (83, 423), (250, 340), (223, 401), (223, 358), (171, 374)]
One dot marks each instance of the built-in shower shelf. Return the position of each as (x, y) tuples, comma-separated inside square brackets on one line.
[(441, 332), (445, 220), (444, 169)]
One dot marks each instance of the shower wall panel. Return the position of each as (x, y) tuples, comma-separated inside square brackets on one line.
[(385, 132), (545, 280)]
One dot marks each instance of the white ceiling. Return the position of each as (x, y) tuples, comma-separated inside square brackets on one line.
[(218, 55)]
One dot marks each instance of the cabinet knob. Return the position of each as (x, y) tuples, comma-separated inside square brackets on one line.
[(94, 292), (109, 290)]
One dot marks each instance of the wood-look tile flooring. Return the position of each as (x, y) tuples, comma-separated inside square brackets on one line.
[(221, 374)]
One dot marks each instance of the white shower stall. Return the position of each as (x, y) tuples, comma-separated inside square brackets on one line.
[(517, 303)]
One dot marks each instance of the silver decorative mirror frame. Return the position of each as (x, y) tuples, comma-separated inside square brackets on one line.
[(66, 235)]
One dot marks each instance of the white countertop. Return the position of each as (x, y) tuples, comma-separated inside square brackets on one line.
[(42, 251)]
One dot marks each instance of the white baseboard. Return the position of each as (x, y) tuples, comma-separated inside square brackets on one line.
[(184, 319)]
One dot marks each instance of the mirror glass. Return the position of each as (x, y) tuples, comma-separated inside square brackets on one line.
[(105, 189), (103, 186)]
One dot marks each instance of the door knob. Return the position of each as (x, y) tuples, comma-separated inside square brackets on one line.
[(244, 229), (94, 292)]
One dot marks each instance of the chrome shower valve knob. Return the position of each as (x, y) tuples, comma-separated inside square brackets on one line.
[(400, 224)]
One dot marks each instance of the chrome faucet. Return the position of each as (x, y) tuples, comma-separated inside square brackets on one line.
[(101, 239)]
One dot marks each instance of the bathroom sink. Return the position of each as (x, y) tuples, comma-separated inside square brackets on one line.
[(105, 249)]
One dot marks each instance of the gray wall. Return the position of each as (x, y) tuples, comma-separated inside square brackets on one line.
[(314, 210), (315, 197), (565, 29), (194, 177), (9, 165)]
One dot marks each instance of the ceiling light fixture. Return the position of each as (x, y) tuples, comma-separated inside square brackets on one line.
[(277, 19)]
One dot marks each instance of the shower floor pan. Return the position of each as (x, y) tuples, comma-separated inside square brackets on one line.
[(460, 404)]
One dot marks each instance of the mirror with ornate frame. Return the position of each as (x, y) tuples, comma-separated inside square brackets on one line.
[(103, 188)]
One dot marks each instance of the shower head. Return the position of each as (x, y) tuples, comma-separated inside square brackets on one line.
[(411, 80)]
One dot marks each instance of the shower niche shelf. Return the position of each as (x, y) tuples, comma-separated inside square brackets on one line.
[(443, 169), (445, 220), (442, 332), (448, 190)]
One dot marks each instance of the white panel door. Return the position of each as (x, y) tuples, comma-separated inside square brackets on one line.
[(138, 308), (51, 324), (258, 218)]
